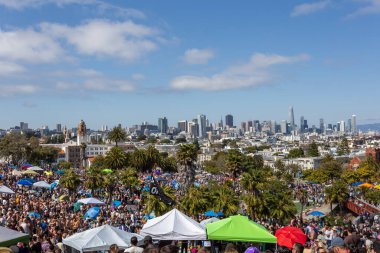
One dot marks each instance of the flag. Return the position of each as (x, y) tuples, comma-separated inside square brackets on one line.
[(156, 190)]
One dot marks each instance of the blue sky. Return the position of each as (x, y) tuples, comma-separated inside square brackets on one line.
[(111, 62)]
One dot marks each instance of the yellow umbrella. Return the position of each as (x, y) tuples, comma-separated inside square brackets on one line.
[(30, 172), (377, 187), (63, 198), (368, 185), (49, 173)]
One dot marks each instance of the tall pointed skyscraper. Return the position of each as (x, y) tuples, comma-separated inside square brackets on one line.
[(291, 118)]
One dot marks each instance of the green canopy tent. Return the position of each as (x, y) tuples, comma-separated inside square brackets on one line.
[(239, 228), (9, 237)]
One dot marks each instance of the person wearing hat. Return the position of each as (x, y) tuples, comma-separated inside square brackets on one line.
[(148, 242), (338, 246), (134, 248)]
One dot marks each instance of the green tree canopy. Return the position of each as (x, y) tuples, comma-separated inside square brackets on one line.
[(117, 134), (313, 150), (296, 153)]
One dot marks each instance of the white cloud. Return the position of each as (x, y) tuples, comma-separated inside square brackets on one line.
[(109, 85), (198, 56), (251, 74), (138, 76), (98, 84), (12, 90), (308, 8), (101, 5), (28, 45), (370, 7), (126, 40), (9, 68)]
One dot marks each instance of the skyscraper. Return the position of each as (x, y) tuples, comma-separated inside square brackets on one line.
[(291, 118), (163, 125), (59, 128), (321, 126), (229, 120), (182, 125), (302, 124), (284, 127), (353, 124), (349, 126), (202, 125)]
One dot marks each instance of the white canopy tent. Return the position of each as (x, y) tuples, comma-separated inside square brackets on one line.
[(4, 189), (174, 225), (207, 221), (16, 173), (42, 184), (35, 168), (92, 201), (10, 237), (100, 239)]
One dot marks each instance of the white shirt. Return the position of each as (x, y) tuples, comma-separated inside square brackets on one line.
[(134, 249)]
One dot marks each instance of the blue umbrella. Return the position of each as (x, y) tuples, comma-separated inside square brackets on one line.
[(357, 184), (60, 172), (117, 203), (34, 214), (24, 182), (220, 214), (30, 180), (92, 213), (316, 213), (210, 213)]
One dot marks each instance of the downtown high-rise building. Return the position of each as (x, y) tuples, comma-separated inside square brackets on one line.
[(163, 125), (229, 120), (182, 125), (202, 125), (24, 126), (354, 128), (59, 128), (302, 124), (291, 118), (284, 126), (321, 126)]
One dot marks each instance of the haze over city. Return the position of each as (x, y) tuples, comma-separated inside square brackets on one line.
[(111, 62)]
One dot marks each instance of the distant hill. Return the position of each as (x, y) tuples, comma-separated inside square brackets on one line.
[(369, 127)]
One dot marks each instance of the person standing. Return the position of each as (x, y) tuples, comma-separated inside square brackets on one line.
[(134, 248)]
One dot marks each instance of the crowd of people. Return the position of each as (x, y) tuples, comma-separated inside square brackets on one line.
[(49, 215)]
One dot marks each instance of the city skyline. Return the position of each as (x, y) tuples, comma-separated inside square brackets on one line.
[(111, 62)]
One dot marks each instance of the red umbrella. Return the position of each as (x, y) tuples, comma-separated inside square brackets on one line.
[(288, 235)]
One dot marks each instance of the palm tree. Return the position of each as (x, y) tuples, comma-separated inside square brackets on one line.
[(337, 193), (224, 199), (195, 201), (186, 158), (82, 154), (301, 195), (70, 180), (234, 162), (152, 157), (116, 158), (117, 134), (129, 177), (93, 180), (251, 182), (109, 183), (154, 203), (139, 160)]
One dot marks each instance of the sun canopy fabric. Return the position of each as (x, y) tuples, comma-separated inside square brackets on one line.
[(10, 237), (92, 201), (35, 168), (42, 184), (207, 221), (238, 228), (30, 172), (357, 183), (316, 213), (174, 225), (368, 185), (100, 239), (288, 235), (16, 173), (4, 189)]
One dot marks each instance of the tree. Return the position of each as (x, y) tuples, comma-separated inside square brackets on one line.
[(13, 147), (129, 177), (153, 203), (117, 134), (70, 180), (93, 180), (224, 199), (234, 163), (139, 160), (313, 150), (302, 196), (116, 158), (296, 153), (337, 193), (195, 201), (186, 158), (180, 140), (152, 158), (83, 147), (99, 162), (64, 165), (167, 164), (343, 148)]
